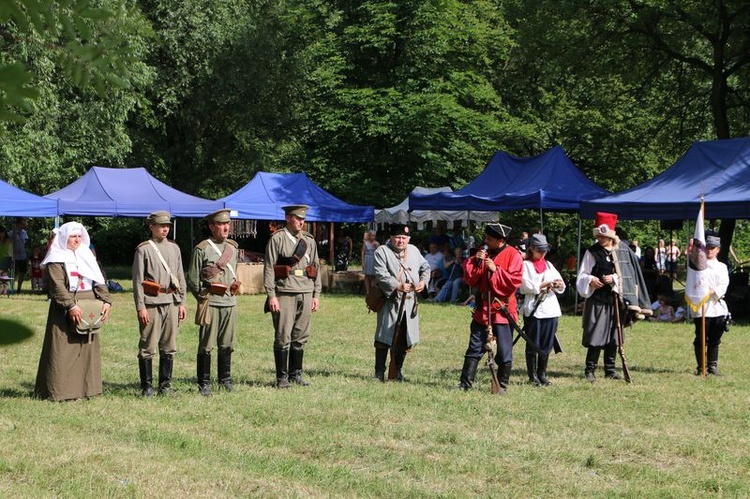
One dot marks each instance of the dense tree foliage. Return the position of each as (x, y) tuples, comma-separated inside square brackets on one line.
[(369, 97)]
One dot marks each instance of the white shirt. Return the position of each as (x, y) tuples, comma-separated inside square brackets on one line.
[(584, 278), (717, 277), (530, 287)]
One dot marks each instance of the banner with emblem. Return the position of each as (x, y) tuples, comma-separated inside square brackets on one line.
[(697, 290)]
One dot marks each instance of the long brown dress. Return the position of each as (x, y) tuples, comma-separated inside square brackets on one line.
[(70, 364)]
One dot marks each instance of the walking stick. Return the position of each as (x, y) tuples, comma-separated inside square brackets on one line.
[(620, 341)]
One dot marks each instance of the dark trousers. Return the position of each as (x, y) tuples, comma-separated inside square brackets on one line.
[(542, 332), (503, 336), (714, 331)]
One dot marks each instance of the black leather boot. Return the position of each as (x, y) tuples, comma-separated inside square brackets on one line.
[(281, 357), (204, 374), (712, 355), (165, 373), (147, 378), (295, 367), (400, 357), (225, 369), (468, 373), (531, 368), (381, 354), (503, 375), (698, 359), (592, 358), (541, 370), (610, 362)]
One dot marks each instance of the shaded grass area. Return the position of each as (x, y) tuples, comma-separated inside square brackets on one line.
[(669, 434)]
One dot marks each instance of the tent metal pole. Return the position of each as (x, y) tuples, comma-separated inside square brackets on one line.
[(174, 228), (578, 263), (541, 220)]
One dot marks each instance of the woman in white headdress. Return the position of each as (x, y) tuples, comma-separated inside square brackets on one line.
[(70, 364)]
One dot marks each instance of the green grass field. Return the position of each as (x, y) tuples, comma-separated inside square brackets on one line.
[(669, 434)]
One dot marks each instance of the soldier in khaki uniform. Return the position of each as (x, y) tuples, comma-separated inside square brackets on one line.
[(212, 278), (159, 293), (292, 283)]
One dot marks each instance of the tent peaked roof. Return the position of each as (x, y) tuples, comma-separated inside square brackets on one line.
[(19, 203), (548, 181), (127, 192), (263, 197), (401, 214), (718, 169)]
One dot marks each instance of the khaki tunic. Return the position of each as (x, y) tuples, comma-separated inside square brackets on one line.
[(221, 331), (70, 364), (294, 293), (388, 276), (163, 310)]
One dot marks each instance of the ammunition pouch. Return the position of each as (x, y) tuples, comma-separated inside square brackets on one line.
[(281, 271), (311, 272), (151, 288), (217, 288)]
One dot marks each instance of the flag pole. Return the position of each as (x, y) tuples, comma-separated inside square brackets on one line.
[(703, 341)]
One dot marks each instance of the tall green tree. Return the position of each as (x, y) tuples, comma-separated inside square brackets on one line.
[(400, 94), (76, 73), (222, 106)]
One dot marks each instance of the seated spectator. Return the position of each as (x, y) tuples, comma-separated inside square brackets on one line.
[(680, 314), (664, 312), (453, 271), (435, 258)]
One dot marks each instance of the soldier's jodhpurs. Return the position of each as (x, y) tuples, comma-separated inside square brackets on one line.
[(292, 322), (160, 334), (221, 332)]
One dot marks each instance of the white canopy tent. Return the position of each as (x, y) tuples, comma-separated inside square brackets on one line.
[(400, 213)]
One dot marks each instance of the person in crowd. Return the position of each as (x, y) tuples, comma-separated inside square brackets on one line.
[(37, 274), (673, 255), (661, 257), (455, 237), (402, 273), (159, 290), (541, 310), (20, 260), (344, 248), (496, 272), (664, 311), (292, 280), (70, 363), (715, 309), (369, 245), (212, 278), (4, 280), (636, 249), (434, 258), (600, 285), (454, 271), (440, 236), (6, 251)]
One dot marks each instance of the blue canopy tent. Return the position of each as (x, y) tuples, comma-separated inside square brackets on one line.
[(19, 203), (263, 197), (717, 169), (127, 192), (549, 181)]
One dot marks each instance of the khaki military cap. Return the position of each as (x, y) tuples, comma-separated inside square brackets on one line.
[(218, 217), (298, 210), (158, 218)]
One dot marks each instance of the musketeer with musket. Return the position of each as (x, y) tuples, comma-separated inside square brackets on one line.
[(293, 286), (212, 278), (401, 272), (496, 271)]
